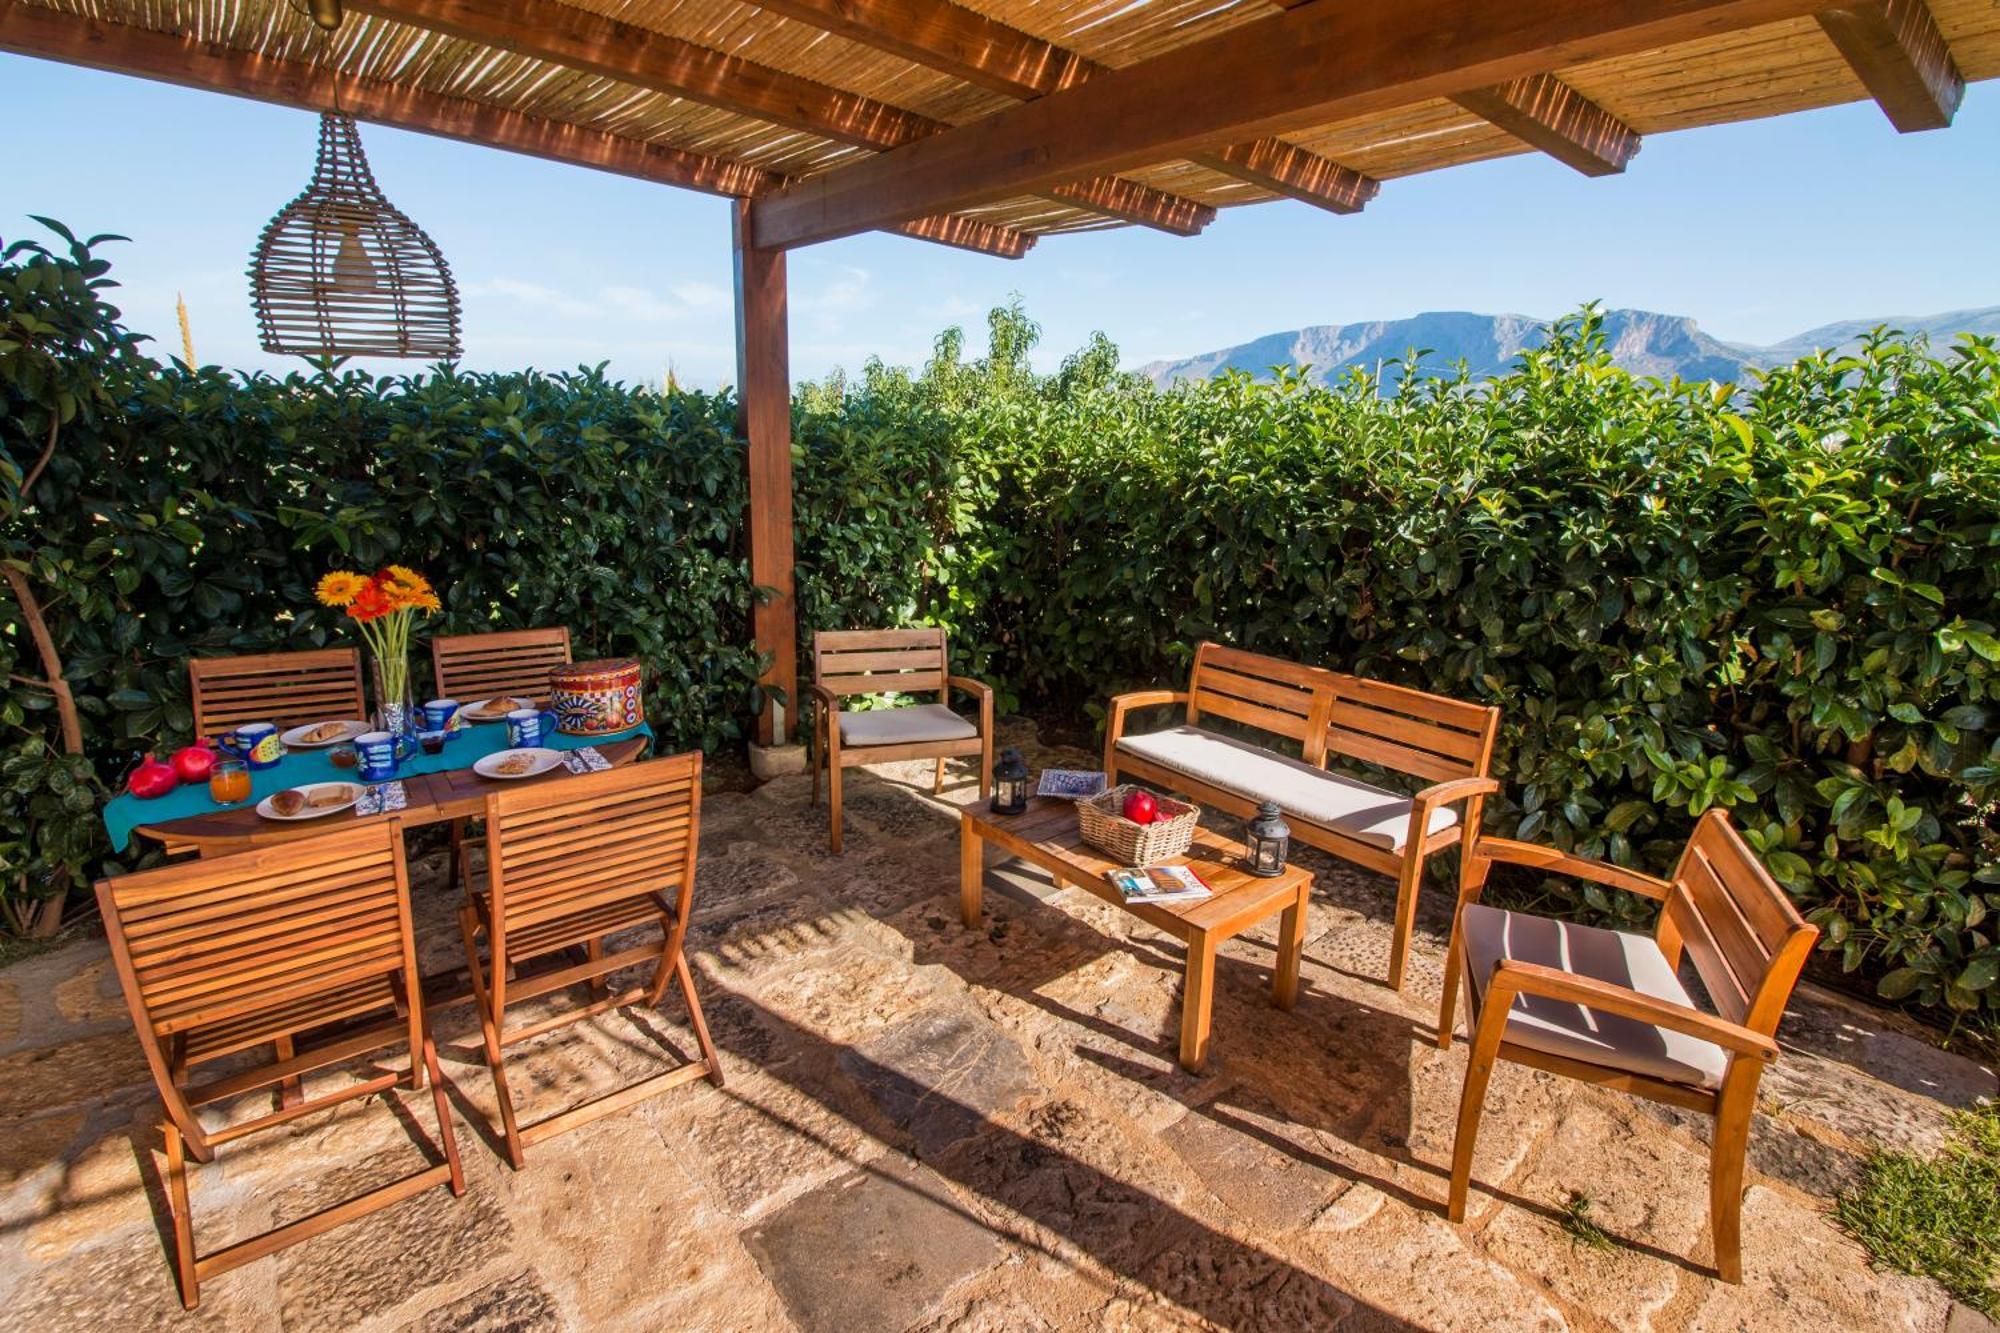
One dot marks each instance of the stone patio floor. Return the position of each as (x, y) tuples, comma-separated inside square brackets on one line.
[(925, 1127)]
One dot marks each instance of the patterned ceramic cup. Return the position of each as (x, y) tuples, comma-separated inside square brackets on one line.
[(377, 752), (438, 714), (257, 743), (524, 728)]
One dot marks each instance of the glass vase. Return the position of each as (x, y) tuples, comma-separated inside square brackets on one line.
[(395, 708)]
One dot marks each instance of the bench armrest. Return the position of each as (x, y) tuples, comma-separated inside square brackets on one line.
[(1450, 793), (1562, 863), (1121, 704), (1512, 977), (1447, 793), (1114, 719)]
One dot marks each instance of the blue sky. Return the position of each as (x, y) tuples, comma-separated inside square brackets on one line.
[(1758, 231)]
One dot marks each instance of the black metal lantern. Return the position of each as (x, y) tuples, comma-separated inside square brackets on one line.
[(1010, 783), (1268, 839)]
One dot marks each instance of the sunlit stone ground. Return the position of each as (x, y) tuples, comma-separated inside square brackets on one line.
[(926, 1127)]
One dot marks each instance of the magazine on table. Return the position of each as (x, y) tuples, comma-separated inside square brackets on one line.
[(1159, 884)]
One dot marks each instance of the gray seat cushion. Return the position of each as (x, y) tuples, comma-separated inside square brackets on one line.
[(1355, 809), (1561, 1028), (904, 726)]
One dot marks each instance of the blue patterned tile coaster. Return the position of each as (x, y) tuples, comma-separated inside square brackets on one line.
[(382, 799), (1071, 784)]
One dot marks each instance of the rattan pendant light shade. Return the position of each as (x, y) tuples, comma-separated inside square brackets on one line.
[(342, 272)]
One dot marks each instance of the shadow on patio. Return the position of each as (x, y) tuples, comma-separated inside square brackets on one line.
[(926, 1127)]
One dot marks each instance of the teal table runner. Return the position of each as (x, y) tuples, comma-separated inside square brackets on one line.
[(125, 812)]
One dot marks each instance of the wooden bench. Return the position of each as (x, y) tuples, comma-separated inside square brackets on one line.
[(1329, 716)]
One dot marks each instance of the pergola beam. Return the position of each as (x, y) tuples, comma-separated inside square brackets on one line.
[(968, 45), (1319, 63), (1895, 49), (1546, 113), (125, 49), (764, 419), (1289, 170), (573, 38)]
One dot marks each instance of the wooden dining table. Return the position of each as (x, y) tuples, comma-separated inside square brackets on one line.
[(432, 798)]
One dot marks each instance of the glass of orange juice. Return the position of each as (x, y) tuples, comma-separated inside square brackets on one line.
[(229, 782)]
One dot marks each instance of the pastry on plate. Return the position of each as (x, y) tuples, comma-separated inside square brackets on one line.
[(494, 709), (325, 731), (332, 794), (515, 764), (288, 802)]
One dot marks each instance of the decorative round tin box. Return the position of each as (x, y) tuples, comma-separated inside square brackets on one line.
[(596, 698)]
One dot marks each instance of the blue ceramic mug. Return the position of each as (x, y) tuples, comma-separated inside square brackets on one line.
[(524, 728), (438, 714), (375, 755)]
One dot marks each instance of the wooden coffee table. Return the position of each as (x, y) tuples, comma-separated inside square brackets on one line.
[(1047, 836)]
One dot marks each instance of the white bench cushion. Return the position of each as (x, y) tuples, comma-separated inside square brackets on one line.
[(904, 726), (1352, 808), (1562, 1028)]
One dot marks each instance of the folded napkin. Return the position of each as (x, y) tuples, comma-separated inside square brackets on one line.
[(585, 759), (384, 798)]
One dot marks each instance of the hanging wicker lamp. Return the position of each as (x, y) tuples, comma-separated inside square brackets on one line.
[(341, 271)]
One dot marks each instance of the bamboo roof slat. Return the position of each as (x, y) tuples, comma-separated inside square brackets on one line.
[(1772, 69)]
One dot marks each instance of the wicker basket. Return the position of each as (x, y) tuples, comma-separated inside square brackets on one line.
[(1168, 836)]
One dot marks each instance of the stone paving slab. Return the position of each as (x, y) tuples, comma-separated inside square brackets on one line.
[(931, 1128)]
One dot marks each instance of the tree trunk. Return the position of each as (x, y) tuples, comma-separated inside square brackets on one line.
[(38, 630)]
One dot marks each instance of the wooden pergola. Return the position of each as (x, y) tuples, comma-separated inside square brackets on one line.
[(987, 125)]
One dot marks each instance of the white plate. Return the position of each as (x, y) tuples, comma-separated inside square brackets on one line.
[(296, 738), (469, 711), (544, 760), (352, 794)]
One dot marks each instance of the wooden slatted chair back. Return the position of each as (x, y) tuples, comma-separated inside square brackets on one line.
[(313, 927), (1283, 698), (557, 849), (1410, 731), (1738, 928), (509, 663), (288, 689), (879, 661)]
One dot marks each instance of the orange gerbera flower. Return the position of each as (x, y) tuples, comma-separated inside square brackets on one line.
[(370, 603), (340, 588)]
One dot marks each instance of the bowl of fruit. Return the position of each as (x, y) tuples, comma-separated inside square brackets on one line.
[(1136, 827)]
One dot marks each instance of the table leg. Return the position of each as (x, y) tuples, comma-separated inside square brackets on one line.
[(1291, 944), (1197, 1001), (971, 871)]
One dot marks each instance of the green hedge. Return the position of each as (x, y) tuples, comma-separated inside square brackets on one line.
[(1781, 601)]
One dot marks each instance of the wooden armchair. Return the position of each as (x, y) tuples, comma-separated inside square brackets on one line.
[(1607, 1007), (571, 863), (220, 957), (850, 662), (471, 667), (287, 689)]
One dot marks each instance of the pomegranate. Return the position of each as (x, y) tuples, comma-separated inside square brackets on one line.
[(1140, 807), (192, 763), (151, 778)]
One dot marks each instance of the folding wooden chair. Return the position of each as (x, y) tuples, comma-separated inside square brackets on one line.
[(1607, 1007), (288, 689), (570, 862), (850, 662), (516, 663), (262, 948)]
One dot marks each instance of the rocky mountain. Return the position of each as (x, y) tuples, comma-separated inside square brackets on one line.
[(1642, 341)]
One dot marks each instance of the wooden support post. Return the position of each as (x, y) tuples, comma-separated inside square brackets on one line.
[(764, 395)]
